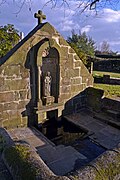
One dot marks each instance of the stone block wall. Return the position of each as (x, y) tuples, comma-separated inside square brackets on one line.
[(14, 94), (74, 79), (15, 69), (15, 91)]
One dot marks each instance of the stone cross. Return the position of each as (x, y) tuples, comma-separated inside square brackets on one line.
[(40, 16)]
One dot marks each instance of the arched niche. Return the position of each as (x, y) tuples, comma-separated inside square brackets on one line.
[(41, 58), (48, 61)]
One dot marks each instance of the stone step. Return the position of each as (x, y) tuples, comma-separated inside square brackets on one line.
[(110, 122), (50, 154), (63, 165)]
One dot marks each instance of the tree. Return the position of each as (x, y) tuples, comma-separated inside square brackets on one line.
[(105, 47), (84, 46), (8, 38)]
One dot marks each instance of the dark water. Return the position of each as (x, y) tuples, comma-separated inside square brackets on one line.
[(69, 134), (62, 132), (88, 149)]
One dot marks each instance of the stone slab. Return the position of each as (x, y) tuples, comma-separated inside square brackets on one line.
[(95, 126), (63, 166), (52, 154), (35, 141), (21, 133), (102, 133), (61, 159)]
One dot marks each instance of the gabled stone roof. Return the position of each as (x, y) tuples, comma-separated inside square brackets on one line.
[(16, 47)]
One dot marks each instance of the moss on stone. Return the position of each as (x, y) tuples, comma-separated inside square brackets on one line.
[(48, 28), (17, 159), (108, 171)]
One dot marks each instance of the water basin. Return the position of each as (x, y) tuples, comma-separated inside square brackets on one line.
[(68, 134)]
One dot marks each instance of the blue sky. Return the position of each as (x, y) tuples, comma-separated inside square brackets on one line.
[(105, 26)]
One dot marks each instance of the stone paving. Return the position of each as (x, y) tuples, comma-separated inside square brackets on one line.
[(102, 133), (61, 159)]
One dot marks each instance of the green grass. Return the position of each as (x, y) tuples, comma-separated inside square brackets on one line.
[(110, 90), (100, 74)]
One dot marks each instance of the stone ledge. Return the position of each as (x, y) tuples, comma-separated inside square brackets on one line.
[(50, 107), (106, 166), (42, 171)]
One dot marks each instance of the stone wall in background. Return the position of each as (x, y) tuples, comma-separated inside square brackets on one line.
[(107, 65)]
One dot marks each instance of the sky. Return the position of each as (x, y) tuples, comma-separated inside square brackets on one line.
[(103, 26)]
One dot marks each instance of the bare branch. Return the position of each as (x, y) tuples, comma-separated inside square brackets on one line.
[(93, 3), (20, 7), (83, 5)]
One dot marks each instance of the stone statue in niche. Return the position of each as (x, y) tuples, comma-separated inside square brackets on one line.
[(47, 85), (47, 98)]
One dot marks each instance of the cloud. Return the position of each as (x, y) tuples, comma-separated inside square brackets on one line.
[(111, 16), (86, 28), (105, 26)]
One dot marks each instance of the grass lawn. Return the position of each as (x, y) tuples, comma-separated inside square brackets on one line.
[(110, 90), (100, 74)]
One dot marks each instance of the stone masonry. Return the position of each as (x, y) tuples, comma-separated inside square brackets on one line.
[(14, 94), (19, 76)]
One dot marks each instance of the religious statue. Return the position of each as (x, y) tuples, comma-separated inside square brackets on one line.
[(47, 84)]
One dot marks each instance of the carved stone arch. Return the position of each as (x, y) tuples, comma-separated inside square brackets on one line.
[(34, 62), (48, 43), (48, 59), (41, 49), (31, 64)]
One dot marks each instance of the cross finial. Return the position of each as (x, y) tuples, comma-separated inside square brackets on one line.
[(40, 16)]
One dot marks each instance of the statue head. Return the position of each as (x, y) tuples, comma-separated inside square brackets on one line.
[(48, 73)]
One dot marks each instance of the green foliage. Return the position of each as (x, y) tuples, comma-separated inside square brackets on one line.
[(18, 158), (8, 38), (84, 46)]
